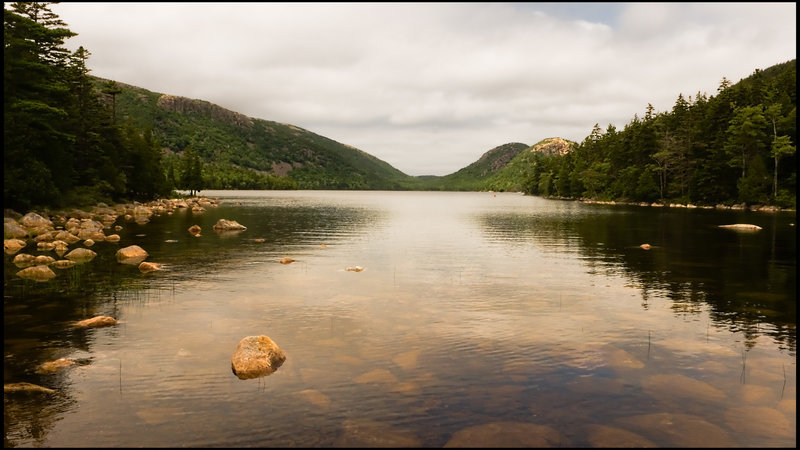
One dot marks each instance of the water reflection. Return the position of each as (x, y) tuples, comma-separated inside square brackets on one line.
[(475, 317), (747, 280)]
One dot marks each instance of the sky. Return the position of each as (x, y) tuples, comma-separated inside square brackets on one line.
[(430, 87)]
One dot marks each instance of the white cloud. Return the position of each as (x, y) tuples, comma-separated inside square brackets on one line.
[(429, 87)]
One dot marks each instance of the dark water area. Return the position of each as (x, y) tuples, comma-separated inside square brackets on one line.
[(478, 319)]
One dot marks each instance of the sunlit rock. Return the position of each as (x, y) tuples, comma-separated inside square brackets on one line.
[(93, 235), (132, 254), (88, 242), (646, 246), (677, 430), (26, 387), (354, 269), (508, 434), (63, 264), (80, 255), (44, 235), (195, 230), (12, 229), (603, 436), (44, 260), (45, 246), (24, 260), (37, 273), (112, 238), (287, 260), (52, 366), (146, 267), (11, 246), (370, 433), (228, 225), (33, 220), (96, 322), (66, 236), (741, 227), (256, 356)]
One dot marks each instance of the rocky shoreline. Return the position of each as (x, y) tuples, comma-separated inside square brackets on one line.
[(71, 232)]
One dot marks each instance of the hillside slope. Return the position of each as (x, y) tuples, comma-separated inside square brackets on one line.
[(228, 138), (512, 176), (471, 177)]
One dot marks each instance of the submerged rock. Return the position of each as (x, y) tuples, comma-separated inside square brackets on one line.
[(256, 356), (26, 387), (195, 230), (287, 260), (146, 267), (354, 269), (508, 434), (97, 322), (52, 366), (741, 227)]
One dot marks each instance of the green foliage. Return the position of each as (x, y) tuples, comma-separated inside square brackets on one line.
[(706, 150), (61, 144)]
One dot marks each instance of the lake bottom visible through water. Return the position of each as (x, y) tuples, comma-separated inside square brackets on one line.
[(477, 319)]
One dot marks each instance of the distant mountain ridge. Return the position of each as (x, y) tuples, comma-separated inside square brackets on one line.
[(228, 140)]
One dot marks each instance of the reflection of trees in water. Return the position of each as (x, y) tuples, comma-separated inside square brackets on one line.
[(746, 281)]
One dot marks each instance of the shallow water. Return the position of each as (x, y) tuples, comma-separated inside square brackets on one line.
[(479, 319)]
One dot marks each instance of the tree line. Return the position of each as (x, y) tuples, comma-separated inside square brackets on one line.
[(738, 147), (62, 144)]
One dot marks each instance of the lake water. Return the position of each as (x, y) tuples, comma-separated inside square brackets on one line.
[(478, 319)]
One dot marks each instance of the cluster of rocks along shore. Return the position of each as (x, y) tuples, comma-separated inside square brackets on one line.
[(81, 229), (77, 228)]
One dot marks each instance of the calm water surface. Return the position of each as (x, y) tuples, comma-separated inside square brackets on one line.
[(479, 319)]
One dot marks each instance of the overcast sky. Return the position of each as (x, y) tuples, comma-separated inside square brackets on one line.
[(430, 87)]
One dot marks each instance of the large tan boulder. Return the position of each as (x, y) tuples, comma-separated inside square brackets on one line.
[(81, 255), (132, 254), (33, 220), (256, 356), (37, 273), (11, 246), (12, 229)]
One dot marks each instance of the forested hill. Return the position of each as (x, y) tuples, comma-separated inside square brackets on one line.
[(736, 147), (471, 178), (73, 139), (233, 147)]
